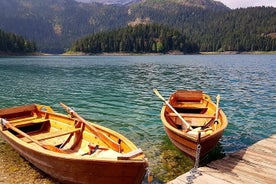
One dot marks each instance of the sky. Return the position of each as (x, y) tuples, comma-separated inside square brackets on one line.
[(247, 3)]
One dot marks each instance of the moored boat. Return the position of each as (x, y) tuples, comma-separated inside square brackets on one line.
[(192, 121), (71, 149)]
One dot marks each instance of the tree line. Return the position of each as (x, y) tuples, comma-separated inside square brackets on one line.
[(136, 39), (10, 42), (249, 29), (244, 29)]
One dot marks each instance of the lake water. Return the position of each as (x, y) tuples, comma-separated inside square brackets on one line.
[(116, 91)]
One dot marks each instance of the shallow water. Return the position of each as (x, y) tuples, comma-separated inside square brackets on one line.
[(116, 91)]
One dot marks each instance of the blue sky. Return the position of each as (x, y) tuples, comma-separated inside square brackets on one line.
[(247, 3)]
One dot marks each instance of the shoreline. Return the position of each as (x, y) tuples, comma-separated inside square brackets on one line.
[(8, 54), (237, 53), (170, 53)]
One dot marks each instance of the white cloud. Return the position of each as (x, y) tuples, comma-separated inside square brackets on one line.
[(247, 3)]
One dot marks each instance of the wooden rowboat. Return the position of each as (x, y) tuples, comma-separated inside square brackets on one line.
[(69, 148), (190, 118)]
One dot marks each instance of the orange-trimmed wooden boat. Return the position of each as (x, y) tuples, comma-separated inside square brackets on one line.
[(71, 149), (190, 118)]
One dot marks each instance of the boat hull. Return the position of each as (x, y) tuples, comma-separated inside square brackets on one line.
[(189, 146), (73, 168), (200, 109), (68, 170)]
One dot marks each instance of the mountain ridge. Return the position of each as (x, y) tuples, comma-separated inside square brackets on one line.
[(118, 2), (55, 24), (196, 3)]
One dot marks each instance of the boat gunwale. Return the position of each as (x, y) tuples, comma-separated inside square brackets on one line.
[(13, 139), (185, 135)]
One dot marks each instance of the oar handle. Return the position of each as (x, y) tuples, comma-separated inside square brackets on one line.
[(68, 109), (217, 108), (75, 114), (188, 126), (159, 95), (217, 111)]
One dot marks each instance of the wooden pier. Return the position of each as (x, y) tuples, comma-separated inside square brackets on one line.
[(255, 164)]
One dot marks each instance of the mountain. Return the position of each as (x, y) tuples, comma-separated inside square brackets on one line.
[(199, 3), (119, 2), (55, 24), (166, 4)]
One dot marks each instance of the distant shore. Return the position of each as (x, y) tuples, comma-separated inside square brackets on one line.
[(236, 52), (157, 54), (21, 54), (131, 54)]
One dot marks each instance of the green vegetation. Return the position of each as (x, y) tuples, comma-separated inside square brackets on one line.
[(137, 39), (55, 24), (250, 29), (12, 43), (171, 162)]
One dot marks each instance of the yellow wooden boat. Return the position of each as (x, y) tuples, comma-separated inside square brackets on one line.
[(69, 148), (190, 119)]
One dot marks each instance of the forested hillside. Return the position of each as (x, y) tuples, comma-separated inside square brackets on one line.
[(137, 39), (250, 29), (55, 24), (11, 43)]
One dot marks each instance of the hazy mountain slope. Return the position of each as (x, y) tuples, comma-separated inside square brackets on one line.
[(198, 3), (119, 2), (165, 4), (55, 24)]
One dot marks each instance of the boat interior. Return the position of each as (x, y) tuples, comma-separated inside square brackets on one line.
[(65, 133), (193, 107)]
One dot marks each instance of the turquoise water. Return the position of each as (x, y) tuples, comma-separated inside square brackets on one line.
[(116, 91)]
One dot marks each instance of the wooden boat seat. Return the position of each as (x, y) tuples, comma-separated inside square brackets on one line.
[(50, 135), (187, 105), (29, 121), (20, 111), (130, 155), (188, 95), (191, 115)]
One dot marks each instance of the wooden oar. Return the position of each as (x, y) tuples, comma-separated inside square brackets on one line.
[(217, 111), (111, 143), (48, 147), (188, 126)]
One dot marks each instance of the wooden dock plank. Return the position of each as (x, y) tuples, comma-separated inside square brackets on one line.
[(208, 179), (255, 164)]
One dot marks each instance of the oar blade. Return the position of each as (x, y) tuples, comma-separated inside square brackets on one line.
[(218, 97)]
